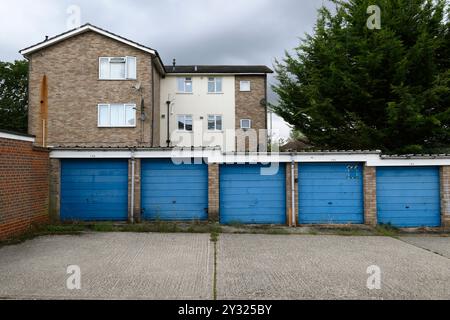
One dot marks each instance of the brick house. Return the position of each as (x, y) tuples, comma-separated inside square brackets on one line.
[(91, 88)]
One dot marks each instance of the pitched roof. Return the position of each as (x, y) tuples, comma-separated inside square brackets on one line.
[(85, 28), (225, 69)]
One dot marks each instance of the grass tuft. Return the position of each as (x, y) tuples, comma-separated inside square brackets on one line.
[(386, 230)]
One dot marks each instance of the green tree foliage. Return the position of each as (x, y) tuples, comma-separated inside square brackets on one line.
[(14, 96), (348, 87)]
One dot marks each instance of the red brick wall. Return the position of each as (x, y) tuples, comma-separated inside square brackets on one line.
[(24, 186)]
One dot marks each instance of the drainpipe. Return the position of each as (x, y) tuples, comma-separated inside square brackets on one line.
[(294, 222), (168, 123), (133, 163), (153, 106)]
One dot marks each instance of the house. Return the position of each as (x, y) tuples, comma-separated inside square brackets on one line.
[(91, 88)]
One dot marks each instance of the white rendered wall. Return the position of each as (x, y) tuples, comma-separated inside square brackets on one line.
[(198, 104)]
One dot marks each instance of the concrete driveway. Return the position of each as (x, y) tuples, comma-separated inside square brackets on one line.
[(113, 266), (328, 267), (181, 266)]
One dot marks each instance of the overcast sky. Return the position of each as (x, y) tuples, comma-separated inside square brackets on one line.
[(192, 31)]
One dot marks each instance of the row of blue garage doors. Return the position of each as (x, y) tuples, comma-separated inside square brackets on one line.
[(328, 193)]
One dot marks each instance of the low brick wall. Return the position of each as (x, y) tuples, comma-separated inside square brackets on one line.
[(24, 186), (370, 196), (445, 196), (213, 192)]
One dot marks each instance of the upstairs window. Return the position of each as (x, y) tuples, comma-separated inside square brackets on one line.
[(184, 85), (245, 86), (117, 68), (215, 123), (184, 122), (116, 115), (246, 124), (214, 85)]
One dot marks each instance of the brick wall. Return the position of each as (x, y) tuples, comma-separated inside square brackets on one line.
[(248, 106), (445, 196), (137, 190), (289, 194), (55, 189), (24, 186), (370, 195), (74, 91), (213, 192)]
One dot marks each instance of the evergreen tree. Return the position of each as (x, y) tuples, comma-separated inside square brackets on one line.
[(349, 87), (14, 96)]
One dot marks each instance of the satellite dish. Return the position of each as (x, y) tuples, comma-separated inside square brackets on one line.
[(263, 102)]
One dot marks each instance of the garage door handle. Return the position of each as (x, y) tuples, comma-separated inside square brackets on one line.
[(407, 207), (330, 203)]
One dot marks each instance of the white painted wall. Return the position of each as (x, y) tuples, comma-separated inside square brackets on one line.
[(198, 104)]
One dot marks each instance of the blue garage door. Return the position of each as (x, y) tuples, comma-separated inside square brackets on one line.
[(94, 190), (174, 192), (248, 197), (408, 197), (331, 193)]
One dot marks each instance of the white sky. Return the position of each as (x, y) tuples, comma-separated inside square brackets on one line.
[(192, 31)]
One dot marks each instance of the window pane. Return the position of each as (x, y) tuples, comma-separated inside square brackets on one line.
[(211, 123), (218, 84), (104, 68), (180, 82), (103, 115), (219, 123), (117, 115), (245, 86), (117, 70), (188, 85), (211, 87), (245, 124), (131, 66), (188, 122), (180, 120), (130, 115)]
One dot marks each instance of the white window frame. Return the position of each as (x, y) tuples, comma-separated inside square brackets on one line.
[(216, 116), (128, 75), (214, 80), (249, 86), (124, 125), (249, 122), (184, 122), (184, 85)]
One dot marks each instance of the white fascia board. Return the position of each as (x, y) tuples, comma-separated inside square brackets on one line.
[(408, 162), (86, 154), (81, 30), (12, 136), (216, 156)]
